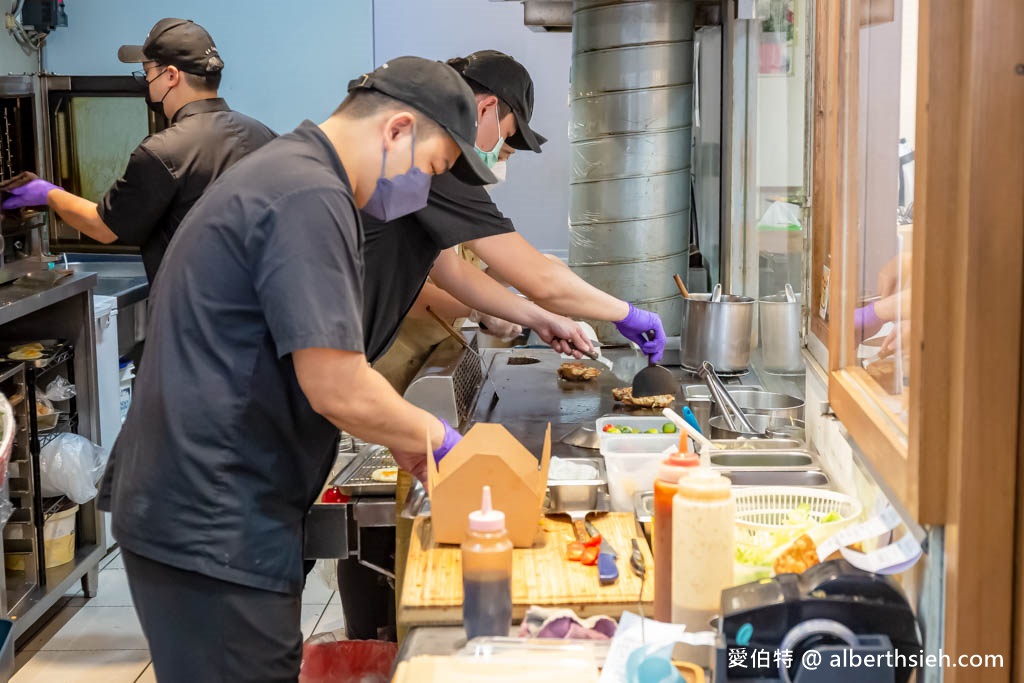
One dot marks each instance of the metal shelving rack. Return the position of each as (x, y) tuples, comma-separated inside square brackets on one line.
[(62, 310), (20, 541)]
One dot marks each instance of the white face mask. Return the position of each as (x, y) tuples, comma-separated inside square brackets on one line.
[(499, 171)]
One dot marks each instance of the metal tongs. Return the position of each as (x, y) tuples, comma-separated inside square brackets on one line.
[(734, 417)]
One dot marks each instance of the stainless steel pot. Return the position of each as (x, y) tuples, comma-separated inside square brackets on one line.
[(780, 334), (781, 406), (775, 427), (717, 332)]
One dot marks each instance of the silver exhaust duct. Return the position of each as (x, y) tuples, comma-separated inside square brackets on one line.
[(631, 109)]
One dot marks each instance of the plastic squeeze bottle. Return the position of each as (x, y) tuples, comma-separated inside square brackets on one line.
[(487, 573), (673, 468), (703, 547)]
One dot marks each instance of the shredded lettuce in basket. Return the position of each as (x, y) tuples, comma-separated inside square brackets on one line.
[(798, 522)]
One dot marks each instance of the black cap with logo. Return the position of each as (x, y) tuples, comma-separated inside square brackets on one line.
[(511, 82), (442, 95), (176, 42)]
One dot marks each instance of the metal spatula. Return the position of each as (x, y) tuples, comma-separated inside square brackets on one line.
[(654, 380)]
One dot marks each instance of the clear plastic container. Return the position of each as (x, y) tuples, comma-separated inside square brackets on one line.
[(641, 424), (632, 462)]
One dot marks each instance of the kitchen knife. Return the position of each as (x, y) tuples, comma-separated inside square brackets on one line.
[(607, 570)]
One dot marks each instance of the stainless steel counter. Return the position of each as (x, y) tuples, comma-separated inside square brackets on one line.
[(19, 300)]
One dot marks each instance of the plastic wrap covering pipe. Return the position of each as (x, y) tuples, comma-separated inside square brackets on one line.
[(631, 109)]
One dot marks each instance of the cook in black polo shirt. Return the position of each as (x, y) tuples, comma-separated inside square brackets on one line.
[(459, 213), (169, 170), (255, 359)]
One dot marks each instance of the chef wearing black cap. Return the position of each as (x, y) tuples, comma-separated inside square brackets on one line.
[(168, 171), (457, 213), (255, 360)]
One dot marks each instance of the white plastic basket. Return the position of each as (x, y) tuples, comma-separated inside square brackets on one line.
[(763, 512)]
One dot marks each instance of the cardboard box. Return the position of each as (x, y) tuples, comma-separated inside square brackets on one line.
[(488, 456)]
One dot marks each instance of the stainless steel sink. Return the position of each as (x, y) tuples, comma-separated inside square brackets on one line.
[(123, 278), (777, 477), (735, 460), (119, 268), (757, 444)]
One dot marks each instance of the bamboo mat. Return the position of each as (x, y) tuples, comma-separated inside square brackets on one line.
[(540, 575)]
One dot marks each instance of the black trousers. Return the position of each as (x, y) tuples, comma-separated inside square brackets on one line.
[(204, 629), (367, 596)]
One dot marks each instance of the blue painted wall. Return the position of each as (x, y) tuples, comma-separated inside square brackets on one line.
[(536, 195), (280, 66), (283, 68)]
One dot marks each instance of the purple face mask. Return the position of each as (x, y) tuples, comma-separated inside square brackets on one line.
[(399, 196)]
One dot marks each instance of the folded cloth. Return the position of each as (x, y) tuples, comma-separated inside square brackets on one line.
[(541, 622)]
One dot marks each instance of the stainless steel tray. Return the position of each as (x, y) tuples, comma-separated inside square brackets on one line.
[(357, 478)]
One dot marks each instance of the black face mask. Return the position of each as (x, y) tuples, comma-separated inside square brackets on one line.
[(157, 107)]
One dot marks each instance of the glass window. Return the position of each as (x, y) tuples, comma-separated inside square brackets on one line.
[(887, 106), (782, 139)]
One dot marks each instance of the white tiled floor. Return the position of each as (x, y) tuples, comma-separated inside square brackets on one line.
[(100, 640)]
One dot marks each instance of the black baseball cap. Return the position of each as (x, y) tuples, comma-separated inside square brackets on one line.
[(438, 91), (176, 42), (511, 82)]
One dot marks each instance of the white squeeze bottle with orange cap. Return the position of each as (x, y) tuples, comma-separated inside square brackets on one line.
[(487, 573)]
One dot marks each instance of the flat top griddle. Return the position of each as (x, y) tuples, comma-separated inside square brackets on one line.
[(357, 478)]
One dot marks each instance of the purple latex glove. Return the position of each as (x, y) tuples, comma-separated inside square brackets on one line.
[(866, 322), (645, 330), (32, 193), (451, 437)]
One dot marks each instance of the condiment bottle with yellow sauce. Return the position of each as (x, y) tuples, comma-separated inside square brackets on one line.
[(703, 547)]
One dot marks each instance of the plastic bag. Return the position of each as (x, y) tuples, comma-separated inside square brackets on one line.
[(327, 570), (781, 215), (71, 466), (60, 389), (328, 660)]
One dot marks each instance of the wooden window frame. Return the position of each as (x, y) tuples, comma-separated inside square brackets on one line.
[(956, 465)]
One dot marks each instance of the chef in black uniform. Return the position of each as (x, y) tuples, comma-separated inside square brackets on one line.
[(459, 213), (170, 170), (256, 359)]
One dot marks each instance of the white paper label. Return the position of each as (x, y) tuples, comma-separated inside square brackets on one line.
[(890, 559)]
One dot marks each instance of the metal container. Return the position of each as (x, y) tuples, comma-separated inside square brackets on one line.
[(777, 428), (747, 444), (756, 459), (717, 332), (813, 478), (780, 334), (582, 491), (780, 406)]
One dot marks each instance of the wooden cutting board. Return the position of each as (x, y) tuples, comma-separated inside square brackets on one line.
[(541, 575)]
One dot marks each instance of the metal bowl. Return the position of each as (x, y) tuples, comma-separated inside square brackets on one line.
[(776, 427), (781, 406)]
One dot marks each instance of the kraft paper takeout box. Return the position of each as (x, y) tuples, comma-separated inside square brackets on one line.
[(488, 456)]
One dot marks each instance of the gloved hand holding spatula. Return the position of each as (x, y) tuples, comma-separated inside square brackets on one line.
[(644, 329)]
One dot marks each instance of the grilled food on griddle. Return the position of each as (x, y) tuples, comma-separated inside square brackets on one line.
[(624, 396), (577, 372)]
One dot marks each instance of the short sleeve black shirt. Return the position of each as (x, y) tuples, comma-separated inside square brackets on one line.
[(221, 454), (399, 255), (171, 169)]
